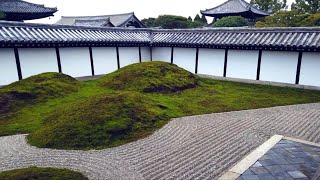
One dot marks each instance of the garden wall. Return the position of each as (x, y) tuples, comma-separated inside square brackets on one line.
[(274, 66)]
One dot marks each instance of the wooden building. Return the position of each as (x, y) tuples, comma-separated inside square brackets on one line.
[(284, 55), (114, 20), (18, 10), (235, 8)]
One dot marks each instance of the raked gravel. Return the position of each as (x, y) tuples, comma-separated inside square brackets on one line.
[(195, 147)]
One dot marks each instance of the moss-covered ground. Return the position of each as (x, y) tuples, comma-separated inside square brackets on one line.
[(34, 173), (129, 104)]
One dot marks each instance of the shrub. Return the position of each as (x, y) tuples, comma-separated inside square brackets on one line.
[(231, 21)]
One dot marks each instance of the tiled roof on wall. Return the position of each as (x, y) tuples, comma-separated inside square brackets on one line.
[(23, 34), (19, 6)]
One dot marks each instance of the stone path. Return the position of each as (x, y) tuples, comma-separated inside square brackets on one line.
[(197, 147), (286, 160)]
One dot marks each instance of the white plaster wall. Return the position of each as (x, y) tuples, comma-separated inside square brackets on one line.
[(185, 58), (37, 60), (161, 54), (279, 66), (145, 54), (242, 64), (128, 55), (104, 60), (8, 68), (211, 61), (75, 61), (310, 69)]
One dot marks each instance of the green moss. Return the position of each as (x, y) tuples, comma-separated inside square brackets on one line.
[(100, 121), (150, 77), (35, 89), (120, 107), (33, 173)]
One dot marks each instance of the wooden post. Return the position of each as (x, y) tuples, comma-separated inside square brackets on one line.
[(299, 67), (259, 64), (225, 63), (91, 60), (58, 59), (118, 57), (16, 54), (197, 59)]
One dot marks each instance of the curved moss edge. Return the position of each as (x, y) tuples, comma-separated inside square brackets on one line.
[(42, 173)]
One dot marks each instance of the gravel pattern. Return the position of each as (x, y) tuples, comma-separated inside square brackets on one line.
[(195, 147)]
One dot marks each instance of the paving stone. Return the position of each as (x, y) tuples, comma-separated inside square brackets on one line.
[(259, 170), (267, 162), (266, 177), (248, 172), (288, 167), (257, 164), (250, 177), (297, 174)]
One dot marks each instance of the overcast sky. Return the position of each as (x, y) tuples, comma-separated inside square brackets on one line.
[(142, 8)]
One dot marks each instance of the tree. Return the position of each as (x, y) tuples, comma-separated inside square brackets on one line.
[(231, 21), (287, 19), (306, 6), (204, 19), (149, 22), (197, 18), (189, 18), (172, 22), (271, 6)]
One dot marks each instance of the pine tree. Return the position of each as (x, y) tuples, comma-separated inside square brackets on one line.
[(189, 18), (306, 6), (203, 19), (272, 6), (197, 18)]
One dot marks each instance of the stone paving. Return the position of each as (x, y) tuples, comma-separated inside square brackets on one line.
[(286, 160), (195, 147)]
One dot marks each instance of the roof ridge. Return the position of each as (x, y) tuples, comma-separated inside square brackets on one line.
[(130, 13)]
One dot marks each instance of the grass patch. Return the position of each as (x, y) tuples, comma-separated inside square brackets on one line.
[(133, 102), (33, 173)]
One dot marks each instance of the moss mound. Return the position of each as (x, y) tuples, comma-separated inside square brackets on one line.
[(41, 173), (150, 77), (105, 120), (35, 89)]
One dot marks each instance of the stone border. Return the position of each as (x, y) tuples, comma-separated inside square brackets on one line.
[(255, 155), (249, 160), (249, 81)]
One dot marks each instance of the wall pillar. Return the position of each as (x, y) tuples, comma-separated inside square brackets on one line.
[(16, 54), (172, 51), (118, 57), (197, 60), (225, 63), (91, 61), (299, 67), (259, 64), (58, 59)]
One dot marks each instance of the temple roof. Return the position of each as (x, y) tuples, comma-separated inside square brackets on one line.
[(234, 7), (118, 20), (18, 10), (13, 34), (97, 22)]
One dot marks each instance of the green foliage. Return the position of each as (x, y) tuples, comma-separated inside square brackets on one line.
[(175, 22), (36, 89), (34, 173), (270, 5), (311, 20), (150, 77), (306, 6), (172, 22), (149, 22), (290, 19), (197, 18), (204, 19), (142, 99), (231, 21)]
